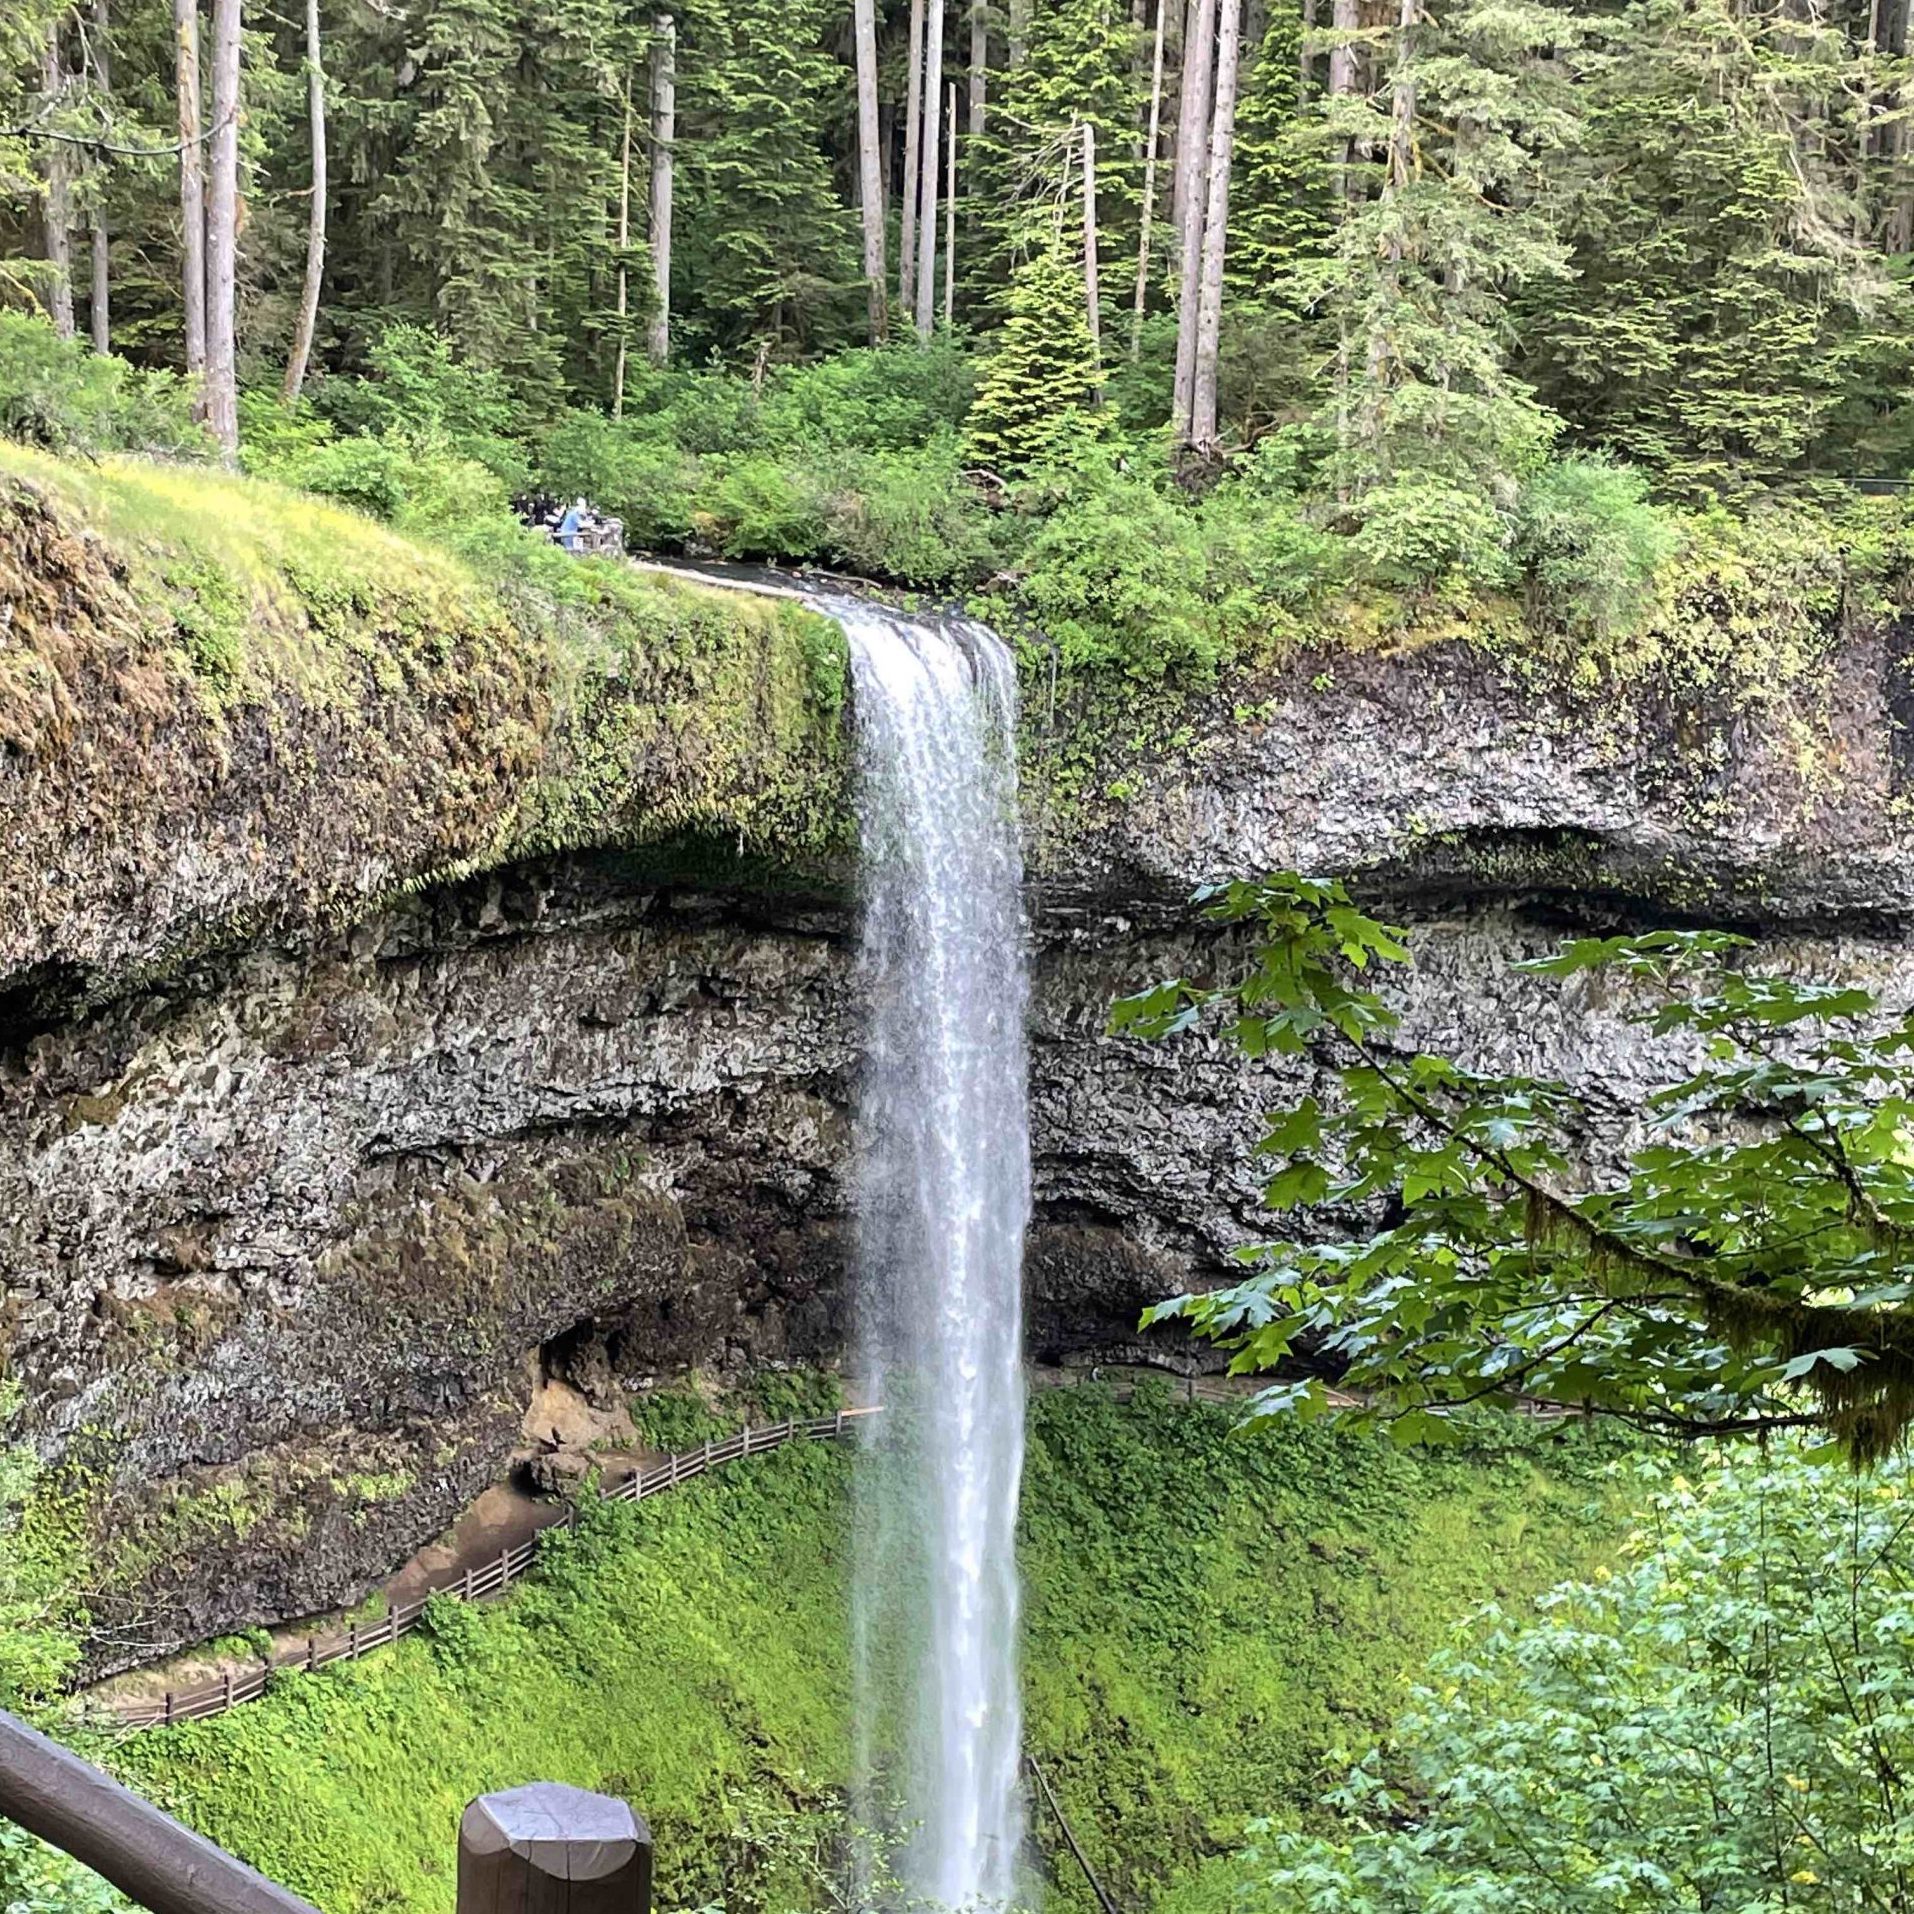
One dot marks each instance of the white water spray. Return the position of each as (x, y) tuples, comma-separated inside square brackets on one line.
[(944, 1194)]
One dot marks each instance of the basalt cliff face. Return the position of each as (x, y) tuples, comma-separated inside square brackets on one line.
[(338, 1113)]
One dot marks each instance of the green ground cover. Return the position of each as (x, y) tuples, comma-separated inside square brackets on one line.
[(1213, 1619)]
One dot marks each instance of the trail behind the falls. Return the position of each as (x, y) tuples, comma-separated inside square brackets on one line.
[(944, 1194)]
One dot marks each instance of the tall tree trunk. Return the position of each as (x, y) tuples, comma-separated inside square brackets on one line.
[(316, 212), (1092, 294), (56, 220), (1306, 56), (1346, 18), (927, 203), (979, 65), (869, 174), (222, 233), (913, 162), (664, 133), (624, 259), (1149, 186), (1192, 147), (950, 210), (1209, 327), (192, 182), (1017, 38), (99, 310), (1192, 111)]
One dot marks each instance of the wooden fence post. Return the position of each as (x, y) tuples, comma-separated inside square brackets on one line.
[(465, 1584), (312, 1653), (352, 1642), (551, 1849)]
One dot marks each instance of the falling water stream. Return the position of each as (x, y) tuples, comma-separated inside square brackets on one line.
[(944, 1191), (943, 1197)]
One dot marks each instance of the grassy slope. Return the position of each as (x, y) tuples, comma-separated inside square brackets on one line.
[(1210, 1616)]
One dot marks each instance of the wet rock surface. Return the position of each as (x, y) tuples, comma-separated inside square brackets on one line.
[(294, 1228)]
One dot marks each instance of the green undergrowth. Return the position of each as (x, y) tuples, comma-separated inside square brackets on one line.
[(467, 700), (1212, 1618)]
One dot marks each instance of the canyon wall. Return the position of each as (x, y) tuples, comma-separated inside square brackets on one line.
[(336, 1115)]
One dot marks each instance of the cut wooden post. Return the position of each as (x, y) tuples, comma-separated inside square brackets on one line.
[(312, 1652), (227, 1697), (551, 1849), (465, 1584), (352, 1642)]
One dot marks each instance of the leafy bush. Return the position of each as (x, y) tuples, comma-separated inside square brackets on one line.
[(910, 516), (648, 482), (761, 507), (59, 394), (417, 388), (1592, 542), (894, 399), (1116, 574), (1429, 532), (1725, 1723)]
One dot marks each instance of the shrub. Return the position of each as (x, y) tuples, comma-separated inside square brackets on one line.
[(648, 482), (1116, 575), (893, 399), (417, 387), (59, 394), (1430, 532), (1722, 1724), (1592, 541), (761, 507), (909, 516)]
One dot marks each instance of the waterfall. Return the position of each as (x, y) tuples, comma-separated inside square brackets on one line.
[(944, 1192)]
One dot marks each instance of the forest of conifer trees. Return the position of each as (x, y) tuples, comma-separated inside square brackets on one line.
[(1460, 294)]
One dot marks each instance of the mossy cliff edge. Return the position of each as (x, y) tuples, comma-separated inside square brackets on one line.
[(226, 709)]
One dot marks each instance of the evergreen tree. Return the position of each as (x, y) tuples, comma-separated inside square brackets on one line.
[(1037, 396), (1723, 301)]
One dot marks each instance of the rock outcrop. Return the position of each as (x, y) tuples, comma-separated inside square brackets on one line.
[(315, 1153)]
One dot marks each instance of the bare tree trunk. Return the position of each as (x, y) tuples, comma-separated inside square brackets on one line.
[(1017, 39), (1209, 327), (192, 182), (57, 219), (624, 249), (1149, 187), (1192, 144), (222, 233), (870, 183), (1306, 56), (1346, 18), (1092, 294), (664, 131), (99, 310), (1192, 110), (913, 162), (950, 210), (316, 212), (927, 206), (979, 64)]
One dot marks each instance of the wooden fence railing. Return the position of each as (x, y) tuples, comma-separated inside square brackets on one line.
[(474, 1583), (471, 1584)]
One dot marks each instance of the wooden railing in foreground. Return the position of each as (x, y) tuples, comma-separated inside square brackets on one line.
[(144, 1852), (471, 1584)]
